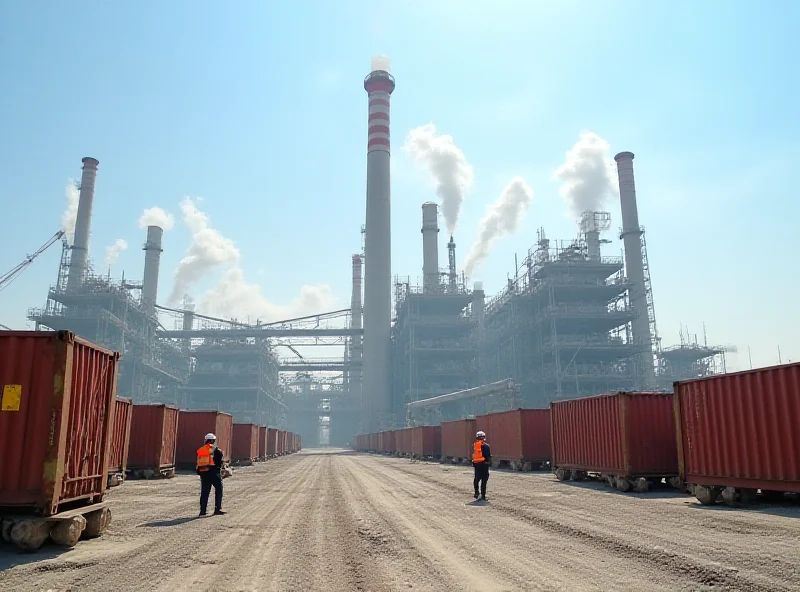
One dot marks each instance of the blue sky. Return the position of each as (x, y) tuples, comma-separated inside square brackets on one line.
[(260, 110)]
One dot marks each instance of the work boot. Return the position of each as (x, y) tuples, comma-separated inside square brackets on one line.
[(219, 513), (476, 495), (202, 514), (483, 497)]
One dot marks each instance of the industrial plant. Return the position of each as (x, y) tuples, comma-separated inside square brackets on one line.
[(570, 322)]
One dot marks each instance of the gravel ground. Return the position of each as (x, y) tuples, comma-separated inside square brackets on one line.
[(336, 521)]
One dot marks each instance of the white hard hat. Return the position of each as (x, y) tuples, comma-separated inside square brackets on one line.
[(480, 435), (210, 436)]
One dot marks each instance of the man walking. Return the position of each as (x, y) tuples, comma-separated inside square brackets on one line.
[(481, 459), (209, 465)]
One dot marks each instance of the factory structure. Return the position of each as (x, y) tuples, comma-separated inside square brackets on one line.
[(570, 322)]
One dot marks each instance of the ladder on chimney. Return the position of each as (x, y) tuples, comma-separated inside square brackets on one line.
[(648, 291)]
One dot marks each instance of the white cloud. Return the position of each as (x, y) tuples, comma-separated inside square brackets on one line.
[(157, 217), (451, 172), (113, 252), (70, 214), (588, 174)]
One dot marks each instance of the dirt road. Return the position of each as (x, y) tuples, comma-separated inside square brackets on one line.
[(340, 522)]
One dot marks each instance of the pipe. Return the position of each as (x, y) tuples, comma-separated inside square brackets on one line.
[(430, 247), (152, 261), (355, 352), (79, 258)]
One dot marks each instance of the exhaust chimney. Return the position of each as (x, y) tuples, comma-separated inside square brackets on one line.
[(451, 264), (430, 247), (478, 302), (631, 236), (354, 375), (79, 259), (379, 85), (152, 259)]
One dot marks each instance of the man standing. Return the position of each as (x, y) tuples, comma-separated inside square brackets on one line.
[(481, 459), (209, 465)]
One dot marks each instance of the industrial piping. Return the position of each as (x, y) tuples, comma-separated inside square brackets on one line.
[(79, 259), (355, 356), (631, 236), (379, 85), (152, 261), (430, 247)]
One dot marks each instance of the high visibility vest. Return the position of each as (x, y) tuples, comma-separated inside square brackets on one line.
[(205, 457), (477, 453)]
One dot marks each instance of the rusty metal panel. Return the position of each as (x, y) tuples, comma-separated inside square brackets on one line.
[(281, 439), (272, 441), (741, 429), (262, 442), (457, 438), (192, 428), (154, 436), (245, 441), (624, 434), (403, 441), (426, 441), (56, 414), (120, 439), (520, 435)]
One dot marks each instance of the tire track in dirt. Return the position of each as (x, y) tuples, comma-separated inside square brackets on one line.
[(689, 570)]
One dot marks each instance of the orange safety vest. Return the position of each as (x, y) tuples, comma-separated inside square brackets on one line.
[(205, 457), (477, 453)]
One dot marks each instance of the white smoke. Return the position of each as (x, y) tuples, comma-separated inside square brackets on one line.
[(500, 220), (113, 252), (447, 165), (157, 217), (588, 175), (233, 296), (70, 215)]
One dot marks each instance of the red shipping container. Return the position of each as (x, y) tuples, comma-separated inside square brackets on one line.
[(281, 439), (262, 442), (120, 438), (457, 438), (154, 437), (56, 415), (403, 441), (520, 436), (193, 427), (622, 434), (272, 442), (245, 442), (741, 429), (426, 441)]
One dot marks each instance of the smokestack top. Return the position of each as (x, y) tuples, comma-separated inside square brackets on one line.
[(624, 156), (380, 64), (88, 161), (379, 79)]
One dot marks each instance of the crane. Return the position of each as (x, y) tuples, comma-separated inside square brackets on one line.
[(8, 277)]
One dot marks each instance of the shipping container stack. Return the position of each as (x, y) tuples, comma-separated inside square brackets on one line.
[(49, 469)]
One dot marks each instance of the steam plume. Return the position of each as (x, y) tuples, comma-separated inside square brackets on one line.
[(113, 252), (501, 219), (447, 165), (587, 175), (157, 217), (70, 214)]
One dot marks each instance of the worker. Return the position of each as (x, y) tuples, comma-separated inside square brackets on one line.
[(481, 459), (210, 459)]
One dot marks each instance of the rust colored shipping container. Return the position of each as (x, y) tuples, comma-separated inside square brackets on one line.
[(403, 441), (518, 436), (457, 438), (262, 442), (272, 442), (120, 438), (740, 430), (245, 442), (56, 416), (154, 437), (372, 442), (281, 439), (390, 441), (426, 441), (627, 435), (192, 428)]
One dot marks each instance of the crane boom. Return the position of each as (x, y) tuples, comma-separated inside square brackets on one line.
[(10, 276)]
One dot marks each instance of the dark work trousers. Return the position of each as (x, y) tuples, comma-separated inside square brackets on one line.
[(208, 480), (481, 476)]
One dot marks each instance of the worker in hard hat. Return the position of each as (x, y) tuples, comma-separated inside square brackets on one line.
[(210, 459), (481, 459)]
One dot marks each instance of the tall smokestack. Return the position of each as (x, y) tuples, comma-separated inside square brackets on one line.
[(354, 376), (152, 260), (430, 246), (478, 302), (451, 264), (634, 265), (79, 258), (379, 85)]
